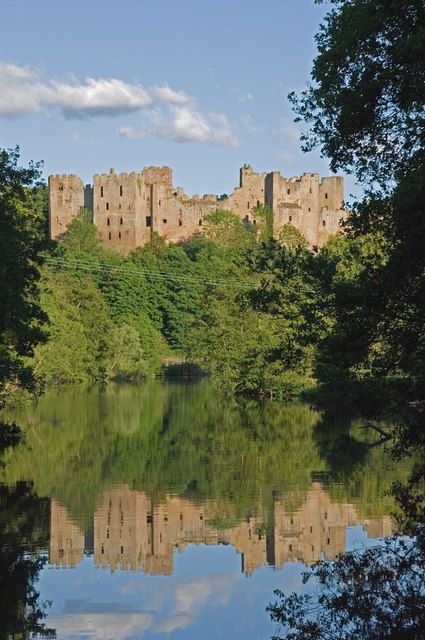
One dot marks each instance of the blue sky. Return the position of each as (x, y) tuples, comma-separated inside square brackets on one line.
[(199, 85)]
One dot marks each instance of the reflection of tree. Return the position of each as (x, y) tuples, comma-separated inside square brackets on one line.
[(178, 439), (374, 594), (23, 528), (378, 593)]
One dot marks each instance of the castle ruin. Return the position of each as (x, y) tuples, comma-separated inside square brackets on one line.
[(129, 207)]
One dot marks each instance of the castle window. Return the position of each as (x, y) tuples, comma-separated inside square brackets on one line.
[(180, 223), (201, 517), (290, 547), (310, 189), (329, 540), (324, 223), (108, 222), (159, 202), (119, 235), (119, 206), (288, 191), (148, 221), (326, 515), (107, 533), (103, 550), (164, 220), (326, 196), (181, 517), (149, 518), (200, 222), (110, 235), (290, 218), (258, 203), (292, 521), (311, 529), (247, 204), (309, 208), (101, 192), (107, 206), (61, 187), (312, 547), (120, 189), (122, 549), (120, 220)]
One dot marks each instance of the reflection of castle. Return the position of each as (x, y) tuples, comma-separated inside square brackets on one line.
[(130, 534)]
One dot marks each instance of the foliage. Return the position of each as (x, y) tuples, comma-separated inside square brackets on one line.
[(368, 594), (23, 530), (365, 103), (242, 456), (22, 240), (290, 238)]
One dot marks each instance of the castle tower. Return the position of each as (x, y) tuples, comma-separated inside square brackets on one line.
[(66, 538), (66, 199)]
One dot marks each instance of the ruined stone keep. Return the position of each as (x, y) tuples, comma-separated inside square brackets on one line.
[(129, 207)]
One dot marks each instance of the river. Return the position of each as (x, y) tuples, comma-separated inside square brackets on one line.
[(162, 511)]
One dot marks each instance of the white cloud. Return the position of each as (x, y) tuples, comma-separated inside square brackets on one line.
[(101, 626), (172, 623), (187, 124), (97, 97), (172, 113), (167, 94), (131, 133), (22, 92), (190, 595)]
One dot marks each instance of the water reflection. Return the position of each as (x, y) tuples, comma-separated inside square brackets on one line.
[(160, 493), (130, 533)]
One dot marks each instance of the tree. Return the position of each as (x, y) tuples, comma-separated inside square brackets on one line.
[(22, 239), (368, 594), (365, 104), (23, 530), (365, 108)]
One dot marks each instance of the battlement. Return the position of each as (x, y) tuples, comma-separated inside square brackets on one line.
[(129, 207)]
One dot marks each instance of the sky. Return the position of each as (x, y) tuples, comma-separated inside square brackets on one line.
[(198, 85), (207, 597)]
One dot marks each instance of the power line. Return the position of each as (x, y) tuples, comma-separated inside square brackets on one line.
[(87, 265)]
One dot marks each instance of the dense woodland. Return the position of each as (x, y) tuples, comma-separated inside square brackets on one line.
[(263, 316)]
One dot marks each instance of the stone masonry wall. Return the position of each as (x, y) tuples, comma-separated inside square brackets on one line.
[(128, 208)]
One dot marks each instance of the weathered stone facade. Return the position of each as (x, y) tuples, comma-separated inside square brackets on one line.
[(129, 207), (131, 533)]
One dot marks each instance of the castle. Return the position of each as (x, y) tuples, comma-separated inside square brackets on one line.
[(131, 533), (129, 207)]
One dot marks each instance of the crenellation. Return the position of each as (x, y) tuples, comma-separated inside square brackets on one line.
[(129, 207)]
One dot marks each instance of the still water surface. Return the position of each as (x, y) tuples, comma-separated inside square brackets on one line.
[(160, 511)]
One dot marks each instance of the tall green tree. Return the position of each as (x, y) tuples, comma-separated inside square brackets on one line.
[(365, 107), (22, 239)]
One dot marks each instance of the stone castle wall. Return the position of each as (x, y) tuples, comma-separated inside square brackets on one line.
[(131, 533), (129, 207)]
